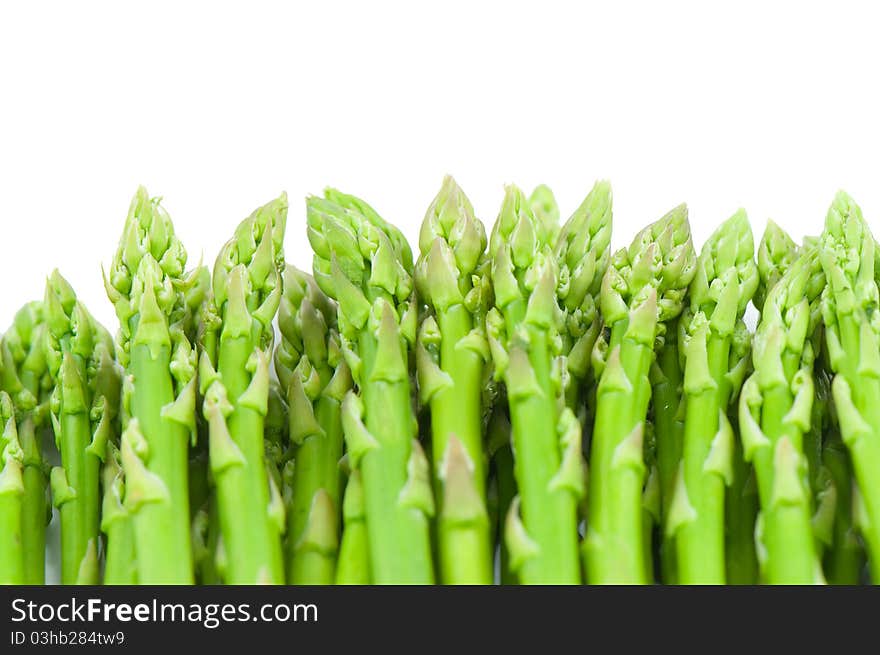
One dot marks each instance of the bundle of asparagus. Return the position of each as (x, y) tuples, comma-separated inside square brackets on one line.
[(520, 407)]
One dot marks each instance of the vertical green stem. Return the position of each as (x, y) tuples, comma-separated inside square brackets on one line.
[(162, 529), (615, 552), (34, 504), (550, 515), (120, 566), (399, 547), (700, 542), (457, 411), (465, 549), (253, 552), (787, 528), (79, 514), (11, 554), (701, 554), (313, 568), (353, 567), (317, 467)]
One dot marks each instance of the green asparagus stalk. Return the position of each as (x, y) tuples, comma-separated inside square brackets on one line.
[(775, 411), (354, 557), (463, 522), (12, 568), (234, 379), (147, 286), (852, 331), (820, 482), (120, 566), (74, 484), (725, 281), (541, 285), (316, 378), (452, 278), (25, 376), (84, 408), (365, 265), (643, 288), (776, 252), (542, 541), (583, 250)]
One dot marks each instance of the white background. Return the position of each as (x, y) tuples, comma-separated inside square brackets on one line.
[(769, 106)]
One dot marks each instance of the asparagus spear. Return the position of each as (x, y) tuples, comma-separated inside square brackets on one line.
[(12, 568), (84, 405), (849, 309), (147, 286), (25, 376), (315, 378), (776, 252), (120, 565), (724, 283), (540, 284), (234, 378), (354, 557), (643, 288), (775, 411), (583, 250), (365, 265), (452, 278)]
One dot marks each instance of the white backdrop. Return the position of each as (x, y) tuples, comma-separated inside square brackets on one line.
[(769, 106)]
